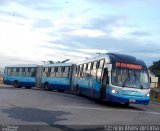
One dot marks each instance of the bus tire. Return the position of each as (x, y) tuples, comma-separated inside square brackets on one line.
[(46, 87), (126, 104), (77, 90), (16, 84), (61, 91), (28, 87)]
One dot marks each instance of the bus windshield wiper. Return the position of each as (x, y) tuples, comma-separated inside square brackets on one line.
[(124, 84), (141, 87)]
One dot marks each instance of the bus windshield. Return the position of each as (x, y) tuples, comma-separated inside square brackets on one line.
[(132, 77)]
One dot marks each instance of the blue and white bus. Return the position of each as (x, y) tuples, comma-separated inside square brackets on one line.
[(113, 77), (57, 76), (22, 75)]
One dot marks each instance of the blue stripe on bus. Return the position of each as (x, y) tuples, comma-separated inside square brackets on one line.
[(25, 84), (56, 83), (88, 87), (22, 81), (58, 87), (90, 92)]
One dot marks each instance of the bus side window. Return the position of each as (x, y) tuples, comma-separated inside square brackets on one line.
[(33, 72), (14, 71), (9, 71), (27, 72), (99, 70), (99, 74), (62, 70), (101, 64), (52, 72), (5, 70), (59, 72), (21, 72), (84, 70), (88, 70), (97, 65), (86, 67), (56, 69), (66, 71), (81, 71), (77, 71), (93, 71), (47, 71), (26, 69)]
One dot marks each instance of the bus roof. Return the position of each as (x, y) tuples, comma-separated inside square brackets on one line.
[(95, 58), (111, 57), (23, 65), (125, 58), (58, 64)]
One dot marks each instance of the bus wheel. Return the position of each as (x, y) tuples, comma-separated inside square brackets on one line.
[(46, 87), (28, 87), (77, 90), (16, 84), (61, 91), (126, 104)]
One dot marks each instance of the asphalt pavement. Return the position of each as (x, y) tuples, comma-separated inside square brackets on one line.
[(67, 111)]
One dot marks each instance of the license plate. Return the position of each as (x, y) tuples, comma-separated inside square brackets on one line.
[(132, 100)]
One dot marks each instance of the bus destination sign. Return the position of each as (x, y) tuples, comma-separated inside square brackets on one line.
[(126, 65)]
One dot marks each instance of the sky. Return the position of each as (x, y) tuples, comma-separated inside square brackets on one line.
[(32, 31)]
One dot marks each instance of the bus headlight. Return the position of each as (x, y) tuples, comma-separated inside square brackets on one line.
[(114, 91), (148, 94)]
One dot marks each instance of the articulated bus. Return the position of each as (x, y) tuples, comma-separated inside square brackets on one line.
[(110, 77), (23, 75), (113, 77), (57, 76)]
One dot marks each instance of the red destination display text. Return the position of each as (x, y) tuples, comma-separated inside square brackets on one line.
[(126, 65)]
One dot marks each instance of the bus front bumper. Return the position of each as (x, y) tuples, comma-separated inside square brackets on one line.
[(127, 99)]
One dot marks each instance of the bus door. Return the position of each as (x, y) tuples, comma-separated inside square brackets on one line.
[(105, 81)]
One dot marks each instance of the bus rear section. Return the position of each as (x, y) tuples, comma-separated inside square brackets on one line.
[(57, 76), (20, 75)]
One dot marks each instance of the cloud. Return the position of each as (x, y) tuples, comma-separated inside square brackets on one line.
[(5, 2), (93, 51), (44, 5), (141, 49), (52, 44), (42, 23), (55, 30), (114, 2), (87, 32), (13, 14), (140, 33), (105, 22)]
